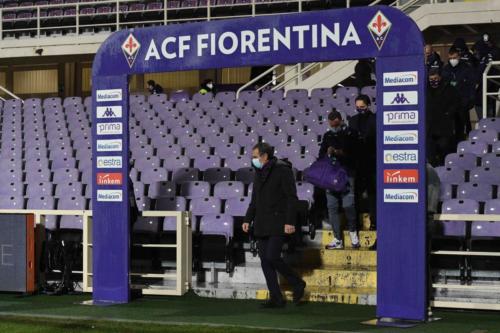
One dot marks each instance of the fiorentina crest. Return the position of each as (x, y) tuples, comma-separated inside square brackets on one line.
[(379, 28), (130, 49)]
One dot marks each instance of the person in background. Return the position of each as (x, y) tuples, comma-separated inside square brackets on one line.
[(364, 127), (432, 58), (460, 74), (207, 87), (443, 102), (154, 88), (338, 144), (272, 210), (464, 52)]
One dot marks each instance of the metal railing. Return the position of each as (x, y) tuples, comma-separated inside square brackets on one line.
[(183, 268), (10, 93), (491, 87)]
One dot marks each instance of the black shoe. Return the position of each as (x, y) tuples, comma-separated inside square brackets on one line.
[(273, 305), (298, 293)]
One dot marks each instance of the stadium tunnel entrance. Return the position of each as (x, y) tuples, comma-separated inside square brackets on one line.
[(377, 32)]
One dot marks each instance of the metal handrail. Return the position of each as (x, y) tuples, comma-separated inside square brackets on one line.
[(491, 78), (8, 92)]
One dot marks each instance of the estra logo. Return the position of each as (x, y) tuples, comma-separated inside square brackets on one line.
[(400, 156), (104, 178), (401, 176)]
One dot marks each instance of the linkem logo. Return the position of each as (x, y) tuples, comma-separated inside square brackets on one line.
[(106, 112), (401, 117), (401, 195), (105, 178), (394, 79), (109, 128), (400, 137), (109, 95), (109, 162), (400, 156), (110, 195), (401, 176), (397, 98), (109, 145)]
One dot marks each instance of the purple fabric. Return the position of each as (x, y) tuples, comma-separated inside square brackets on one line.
[(326, 175)]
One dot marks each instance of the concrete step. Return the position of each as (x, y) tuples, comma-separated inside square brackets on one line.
[(339, 277), (321, 258), (361, 296)]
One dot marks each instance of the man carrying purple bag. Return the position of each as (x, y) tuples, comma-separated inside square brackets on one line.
[(338, 144)]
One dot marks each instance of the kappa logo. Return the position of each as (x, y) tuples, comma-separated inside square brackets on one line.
[(109, 112), (393, 98), (379, 28), (130, 49), (400, 99)]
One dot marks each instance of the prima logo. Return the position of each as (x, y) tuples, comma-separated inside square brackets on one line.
[(396, 98), (109, 128), (109, 95), (130, 48), (401, 195), (401, 117), (379, 28), (400, 79), (105, 112), (400, 156), (109, 195), (400, 137)]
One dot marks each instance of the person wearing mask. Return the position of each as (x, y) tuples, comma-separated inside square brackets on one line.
[(460, 75), (364, 127), (207, 87), (154, 88), (272, 210), (432, 58), (443, 102), (338, 144)]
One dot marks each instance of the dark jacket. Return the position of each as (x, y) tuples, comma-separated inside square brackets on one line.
[(364, 128), (463, 78), (442, 105), (433, 61), (274, 199), (344, 140), (157, 89)]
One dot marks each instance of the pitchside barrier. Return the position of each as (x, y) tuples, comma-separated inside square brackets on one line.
[(380, 32)]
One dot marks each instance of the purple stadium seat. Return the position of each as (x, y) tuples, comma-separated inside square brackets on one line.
[(302, 162), (201, 98), (62, 162), (305, 191), (484, 135), (473, 147), (206, 162), (245, 175), (215, 224), (205, 205), (178, 96), (143, 203), (185, 175), (479, 192), (182, 130), (488, 229), (208, 129), (149, 162), (224, 120), (37, 175), (229, 189), (265, 128), (305, 138), (228, 150), (150, 176), (11, 175), (65, 175), (217, 140), (225, 96), (491, 160), (457, 206), (215, 175), (196, 189), (297, 94), (68, 189), (163, 189), (273, 95), (235, 129), (44, 203), (312, 150), (348, 93), (321, 110), (252, 120), (185, 106), (173, 162), (496, 147), (11, 202), (321, 92), (200, 121), (276, 139), (446, 192), (177, 3), (248, 95), (172, 204), (451, 175), (139, 189), (466, 161), (14, 188), (237, 206), (490, 124), (485, 175), (246, 139), (237, 162), (36, 162), (200, 149), (71, 203), (370, 91), (293, 128)]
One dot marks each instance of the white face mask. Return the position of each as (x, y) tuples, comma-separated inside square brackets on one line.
[(454, 62), (210, 85), (486, 38)]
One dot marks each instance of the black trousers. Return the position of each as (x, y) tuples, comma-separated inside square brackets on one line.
[(365, 182), (270, 259)]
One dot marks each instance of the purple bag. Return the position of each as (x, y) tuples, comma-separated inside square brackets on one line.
[(327, 175)]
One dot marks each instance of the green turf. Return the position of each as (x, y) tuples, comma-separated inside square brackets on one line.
[(196, 310)]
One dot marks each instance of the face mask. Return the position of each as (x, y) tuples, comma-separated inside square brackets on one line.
[(434, 83), (335, 129), (256, 163), (210, 86), (361, 110), (486, 38), (454, 62)]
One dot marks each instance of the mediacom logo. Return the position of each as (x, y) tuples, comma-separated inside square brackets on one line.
[(400, 79), (400, 137), (109, 145), (109, 95), (401, 117), (400, 156), (109, 162), (110, 195), (109, 128), (402, 176), (401, 195), (114, 178)]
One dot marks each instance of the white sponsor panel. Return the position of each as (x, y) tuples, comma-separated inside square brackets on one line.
[(109, 162), (399, 98), (109, 128), (401, 117), (109, 95), (394, 79), (401, 195), (400, 137), (109, 145), (110, 195), (105, 112), (400, 156)]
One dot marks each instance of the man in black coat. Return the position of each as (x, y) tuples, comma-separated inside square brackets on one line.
[(364, 127), (432, 58), (272, 211), (443, 103)]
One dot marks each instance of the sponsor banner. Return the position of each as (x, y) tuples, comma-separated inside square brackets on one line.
[(109, 178), (401, 117), (400, 156), (109, 95), (109, 128), (110, 195), (401, 195), (399, 98), (109, 145), (395, 79), (107, 112), (109, 162), (400, 176), (400, 137)]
